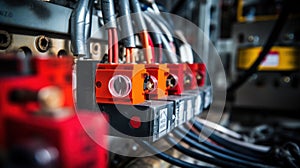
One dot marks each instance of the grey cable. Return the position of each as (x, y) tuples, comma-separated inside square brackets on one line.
[(78, 26), (153, 28), (108, 11), (137, 17), (159, 21), (126, 24)]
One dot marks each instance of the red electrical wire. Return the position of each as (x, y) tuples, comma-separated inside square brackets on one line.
[(110, 49), (115, 46), (132, 58), (159, 52), (173, 47), (145, 43), (128, 54), (150, 42)]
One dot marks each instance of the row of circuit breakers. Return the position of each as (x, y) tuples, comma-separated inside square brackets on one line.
[(141, 100), (149, 100)]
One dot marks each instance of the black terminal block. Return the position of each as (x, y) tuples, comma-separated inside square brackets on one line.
[(183, 108), (148, 121), (198, 101)]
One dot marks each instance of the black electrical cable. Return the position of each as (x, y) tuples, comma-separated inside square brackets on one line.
[(289, 154), (126, 24), (165, 156), (88, 27), (138, 16), (292, 153), (159, 18), (200, 156), (294, 149), (266, 48), (250, 147), (178, 6), (284, 158), (219, 128), (108, 11), (220, 149), (78, 24), (154, 29), (203, 148), (168, 31), (229, 144), (166, 16), (170, 56)]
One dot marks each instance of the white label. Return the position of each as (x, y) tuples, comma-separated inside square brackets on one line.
[(189, 110), (156, 126), (198, 102), (176, 116), (207, 99), (181, 112), (272, 59), (163, 120)]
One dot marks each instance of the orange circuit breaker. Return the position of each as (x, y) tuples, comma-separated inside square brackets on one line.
[(120, 83)]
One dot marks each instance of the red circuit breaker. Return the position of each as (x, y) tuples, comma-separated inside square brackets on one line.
[(195, 74), (68, 143), (19, 92), (176, 79), (38, 123), (190, 71), (201, 74)]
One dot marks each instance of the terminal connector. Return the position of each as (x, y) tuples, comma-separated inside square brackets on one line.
[(176, 79), (201, 74), (189, 78), (160, 72)]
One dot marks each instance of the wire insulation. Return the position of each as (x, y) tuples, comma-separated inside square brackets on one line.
[(218, 148), (200, 156), (166, 157), (233, 144), (146, 46), (200, 147), (110, 47), (115, 46)]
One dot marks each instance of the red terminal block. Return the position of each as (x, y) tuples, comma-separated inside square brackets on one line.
[(66, 142), (190, 72), (41, 104), (201, 74), (57, 71), (175, 80), (120, 83), (156, 87), (19, 94)]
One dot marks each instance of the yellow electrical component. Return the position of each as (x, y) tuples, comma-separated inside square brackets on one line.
[(248, 11), (280, 58), (242, 18)]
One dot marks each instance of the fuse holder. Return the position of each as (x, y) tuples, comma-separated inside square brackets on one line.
[(160, 72)]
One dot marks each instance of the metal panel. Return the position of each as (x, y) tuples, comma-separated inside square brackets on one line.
[(35, 15), (85, 96)]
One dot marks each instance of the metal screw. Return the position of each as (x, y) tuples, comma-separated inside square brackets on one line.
[(253, 39)]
